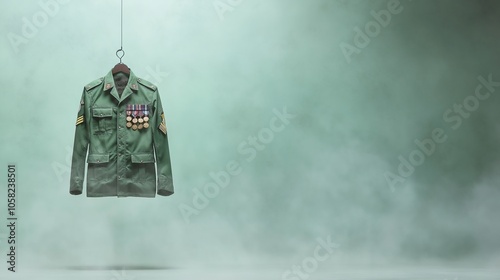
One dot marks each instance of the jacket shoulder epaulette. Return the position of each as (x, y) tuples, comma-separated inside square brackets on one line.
[(93, 84), (147, 84)]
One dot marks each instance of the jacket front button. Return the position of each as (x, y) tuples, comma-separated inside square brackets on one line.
[(98, 161), (119, 177), (142, 161)]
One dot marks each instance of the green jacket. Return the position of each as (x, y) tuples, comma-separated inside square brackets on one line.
[(121, 158)]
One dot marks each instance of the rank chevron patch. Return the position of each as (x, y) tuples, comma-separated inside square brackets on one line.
[(162, 125), (79, 120)]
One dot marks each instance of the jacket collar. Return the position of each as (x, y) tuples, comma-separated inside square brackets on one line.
[(109, 86)]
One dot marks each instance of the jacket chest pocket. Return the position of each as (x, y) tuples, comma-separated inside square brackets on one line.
[(103, 119)]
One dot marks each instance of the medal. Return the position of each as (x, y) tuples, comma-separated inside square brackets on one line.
[(140, 120), (129, 112), (141, 113), (134, 114), (134, 127), (146, 116), (129, 124)]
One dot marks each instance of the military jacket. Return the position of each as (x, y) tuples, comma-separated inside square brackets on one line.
[(123, 160)]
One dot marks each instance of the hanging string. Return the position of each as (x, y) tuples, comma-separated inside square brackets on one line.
[(121, 36), (121, 25)]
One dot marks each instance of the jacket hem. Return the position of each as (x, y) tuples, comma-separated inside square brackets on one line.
[(122, 195)]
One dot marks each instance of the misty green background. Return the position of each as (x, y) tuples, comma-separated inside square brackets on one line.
[(323, 175)]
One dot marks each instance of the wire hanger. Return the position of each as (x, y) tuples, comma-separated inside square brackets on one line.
[(120, 53)]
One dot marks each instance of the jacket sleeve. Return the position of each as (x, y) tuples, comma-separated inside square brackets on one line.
[(80, 147), (163, 166)]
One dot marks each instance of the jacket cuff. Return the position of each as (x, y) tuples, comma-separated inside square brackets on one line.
[(165, 185), (75, 191), (76, 187)]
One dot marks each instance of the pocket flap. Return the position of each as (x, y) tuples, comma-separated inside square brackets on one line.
[(102, 112), (143, 158), (98, 158)]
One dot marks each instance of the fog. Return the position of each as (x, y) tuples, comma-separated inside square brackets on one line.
[(376, 125)]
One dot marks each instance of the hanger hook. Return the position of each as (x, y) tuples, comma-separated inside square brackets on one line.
[(120, 53)]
